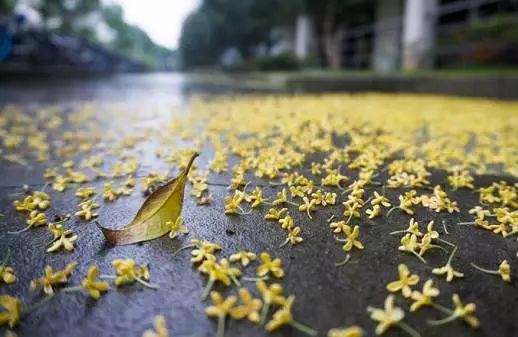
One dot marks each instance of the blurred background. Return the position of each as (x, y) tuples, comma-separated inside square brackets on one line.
[(315, 41)]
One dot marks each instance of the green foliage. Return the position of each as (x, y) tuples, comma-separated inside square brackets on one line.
[(6, 7), (129, 40), (221, 24), (284, 61), (199, 44), (482, 42)]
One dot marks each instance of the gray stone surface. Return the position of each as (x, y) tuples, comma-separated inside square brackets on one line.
[(326, 296)]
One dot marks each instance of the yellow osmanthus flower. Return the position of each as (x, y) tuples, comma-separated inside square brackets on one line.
[(459, 179), (86, 210), (374, 212), (504, 270), (85, 192), (41, 200), (439, 201), (324, 199), (36, 219), (307, 206), (129, 182), (274, 214), (293, 237), (282, 197), (270, 294), (38, 200), (333, 178), (243, 256), (60, 183), (409, 244), (389, 316), (257, 197), (352, 331), (460, 311), (270, 266), (424, 298), (406, 202), (287, 222), (219, 271), (26, 205), (447, 269), (283, 316), (62, 238), (352, 210), (232, 203), (51, 278), (350, 238), (7, 275), (160, 330), (109, 192), (91, 285), (12, 310), (405, 281), (176, 227), (339, 226), (50, 172), (413, 228), (316, 168), (68, 164), (249, 309), (479, 212), (220, 309), (378, 199), (203, 250), (128, 272)]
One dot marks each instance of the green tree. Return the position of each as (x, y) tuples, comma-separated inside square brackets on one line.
[(6, 7), (200, 45), (332, 18), (68, 15)]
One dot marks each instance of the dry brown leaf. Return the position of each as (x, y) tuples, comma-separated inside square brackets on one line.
[(164, 204)]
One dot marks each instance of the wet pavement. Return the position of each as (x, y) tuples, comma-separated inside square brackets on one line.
[(326, 296)]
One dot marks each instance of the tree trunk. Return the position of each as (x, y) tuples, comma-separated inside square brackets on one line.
[(333, 35)]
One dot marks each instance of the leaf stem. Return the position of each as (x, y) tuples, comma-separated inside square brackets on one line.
[(264, 312), (146, 284), (442, 308), (235, 280), (398, 232), (108, 277), (445, 320), (6, 258), (38, 304), (452, 254), (183, 248), (444, 227), (418, 256), (255, 279), (221, 327), (446, 242), (207, 289), (71, 289), (303, 328), (342, 263), (408, 329), (285, 243), (484, 269), (21, 230), (391, 210), (440, 247)]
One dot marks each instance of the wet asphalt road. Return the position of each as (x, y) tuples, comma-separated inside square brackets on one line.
[(326, 296)]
